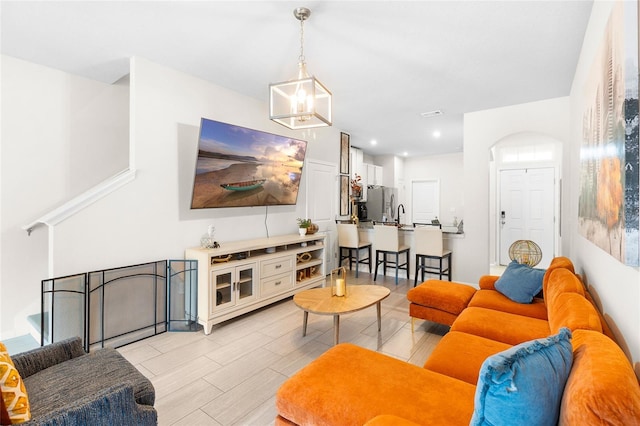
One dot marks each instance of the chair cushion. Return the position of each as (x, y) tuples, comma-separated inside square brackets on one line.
[(524, 384), (520, 282), (63, 384), (15, 402)]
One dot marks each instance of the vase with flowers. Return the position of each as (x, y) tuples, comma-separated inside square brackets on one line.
[(356, 187)]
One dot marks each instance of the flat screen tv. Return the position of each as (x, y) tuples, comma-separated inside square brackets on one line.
[(240, 167)]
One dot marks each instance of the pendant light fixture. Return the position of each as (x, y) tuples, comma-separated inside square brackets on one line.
[(302, 103)]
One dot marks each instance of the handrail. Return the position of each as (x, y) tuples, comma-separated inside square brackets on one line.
[(83, 200)]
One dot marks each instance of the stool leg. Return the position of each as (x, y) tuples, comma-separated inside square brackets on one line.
[(350, 258), (397, 263), (408, 256), (375, 274), (369, 248), (415, 278), (357, 261), (450, 256)]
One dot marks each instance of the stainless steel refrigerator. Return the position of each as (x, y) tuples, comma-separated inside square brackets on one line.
[(382, 203)]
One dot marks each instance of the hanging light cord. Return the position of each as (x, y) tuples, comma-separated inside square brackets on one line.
[(301, 58)]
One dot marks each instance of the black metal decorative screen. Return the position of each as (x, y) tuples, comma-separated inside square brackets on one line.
[(183, 295), (114, 307)]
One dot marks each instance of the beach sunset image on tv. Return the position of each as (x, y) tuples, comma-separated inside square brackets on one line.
[(240, 167)]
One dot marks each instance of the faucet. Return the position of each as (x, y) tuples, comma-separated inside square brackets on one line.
[(398, 216)]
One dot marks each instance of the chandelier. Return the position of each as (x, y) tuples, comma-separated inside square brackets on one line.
[(302, 103)]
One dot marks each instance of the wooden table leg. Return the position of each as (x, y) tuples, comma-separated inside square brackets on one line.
[(379, 316), (304, 323), (336, 329)]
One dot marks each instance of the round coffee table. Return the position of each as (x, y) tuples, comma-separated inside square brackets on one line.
[(320, 301)]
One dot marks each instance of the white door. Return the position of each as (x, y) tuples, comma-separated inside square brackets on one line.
[(425, 200), (322, 189), (526, 211)]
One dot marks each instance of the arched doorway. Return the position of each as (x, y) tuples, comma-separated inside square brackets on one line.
[(525, 190)]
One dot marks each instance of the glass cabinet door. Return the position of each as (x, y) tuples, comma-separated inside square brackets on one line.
[(245, 284), (223, 291)]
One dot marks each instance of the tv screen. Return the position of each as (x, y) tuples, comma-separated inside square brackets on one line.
[(240, 167)]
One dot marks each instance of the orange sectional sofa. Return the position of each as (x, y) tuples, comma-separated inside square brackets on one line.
[(349, 385)]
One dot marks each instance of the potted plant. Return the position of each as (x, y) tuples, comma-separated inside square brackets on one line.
[(303, 224)]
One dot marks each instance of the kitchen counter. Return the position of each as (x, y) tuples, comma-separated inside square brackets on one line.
[(452, 241), (448, 231)]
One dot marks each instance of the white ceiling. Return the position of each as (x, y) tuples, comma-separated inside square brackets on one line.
[(386, 62)]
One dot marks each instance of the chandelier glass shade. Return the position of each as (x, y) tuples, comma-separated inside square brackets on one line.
[(302, 103)]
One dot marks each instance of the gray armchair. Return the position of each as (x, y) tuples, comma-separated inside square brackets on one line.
[(67, 386)]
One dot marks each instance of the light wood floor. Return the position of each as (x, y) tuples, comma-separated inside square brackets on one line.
[(230, 376)]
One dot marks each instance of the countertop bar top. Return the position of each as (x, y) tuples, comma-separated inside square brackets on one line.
[(408, 228)]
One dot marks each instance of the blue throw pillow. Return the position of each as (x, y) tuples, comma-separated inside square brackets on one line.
[(520, 283), (524, 384)]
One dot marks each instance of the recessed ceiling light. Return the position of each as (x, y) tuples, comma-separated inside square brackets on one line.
[(405, 153), (374, 142), (436, 134), (433, 113)]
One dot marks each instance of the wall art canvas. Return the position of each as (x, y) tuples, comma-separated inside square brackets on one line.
[(609, 203), (345, 144), (345, 203)]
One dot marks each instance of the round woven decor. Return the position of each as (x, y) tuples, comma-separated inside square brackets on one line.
[(526, 252)]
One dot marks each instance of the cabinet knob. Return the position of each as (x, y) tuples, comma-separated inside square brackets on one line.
[(278, 282), (278, 266)]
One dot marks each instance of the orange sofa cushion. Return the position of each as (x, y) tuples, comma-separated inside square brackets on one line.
[(501, 326), (488, 282), (431, 314), (492, 299), (460, 355), (443, 295), (389, 420), (602, 387), (557, 263), (350, 385), (574, 312), (562, 281), (606, 330)]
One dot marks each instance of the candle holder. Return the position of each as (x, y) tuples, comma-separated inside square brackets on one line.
[(339, 282)]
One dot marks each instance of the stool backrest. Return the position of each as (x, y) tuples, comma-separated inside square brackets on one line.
[(386, 238), (348, 235), (428, 240)]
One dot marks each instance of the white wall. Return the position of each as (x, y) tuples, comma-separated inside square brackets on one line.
[(448, 170), (483, 129), (617, 285), (61, 134), (148, 219)]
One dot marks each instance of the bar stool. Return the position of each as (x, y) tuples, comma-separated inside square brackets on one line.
[(428, 245), (386, 241), (349, 240)]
